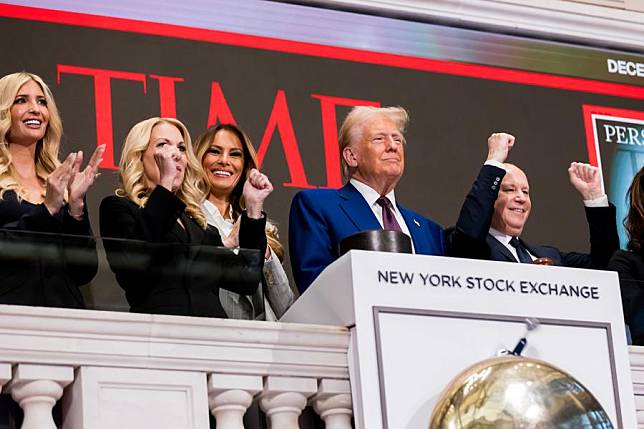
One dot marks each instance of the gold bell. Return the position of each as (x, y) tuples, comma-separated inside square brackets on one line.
[(512, 392)]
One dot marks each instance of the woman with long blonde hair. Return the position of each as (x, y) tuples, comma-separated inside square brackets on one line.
[(41, 199), (228, 157), (158, 203)]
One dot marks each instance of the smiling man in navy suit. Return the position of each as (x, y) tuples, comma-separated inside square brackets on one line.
[(372, 149), (498, 206)]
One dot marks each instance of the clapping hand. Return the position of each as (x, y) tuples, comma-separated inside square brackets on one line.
[(256, 189), (586, 180), (56, 184), (81, 181), (499, 145)]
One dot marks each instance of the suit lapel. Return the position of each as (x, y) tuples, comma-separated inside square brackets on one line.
[(181, 234), (533, 250), (193, 231), (193, 237), (418, 236), (357, 210), (498, 252)]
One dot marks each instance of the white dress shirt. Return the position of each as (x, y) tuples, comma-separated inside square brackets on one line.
[(371, 196), (214, 218), (504, 239)]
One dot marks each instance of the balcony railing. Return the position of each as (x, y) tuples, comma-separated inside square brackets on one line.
[(137, 370)]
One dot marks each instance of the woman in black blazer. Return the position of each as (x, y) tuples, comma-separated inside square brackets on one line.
[(629, 264), (46, 250), (172, 267)]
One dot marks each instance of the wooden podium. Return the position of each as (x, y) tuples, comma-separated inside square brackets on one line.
[(417, 321)]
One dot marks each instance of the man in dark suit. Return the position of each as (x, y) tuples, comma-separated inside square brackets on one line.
[(372, 146), (498, 206)]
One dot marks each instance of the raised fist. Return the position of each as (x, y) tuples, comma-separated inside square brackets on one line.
[(256, 189), (586, 180), (167, 158), (498, 146)]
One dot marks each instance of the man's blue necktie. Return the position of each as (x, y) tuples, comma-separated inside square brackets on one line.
[(522, 252)]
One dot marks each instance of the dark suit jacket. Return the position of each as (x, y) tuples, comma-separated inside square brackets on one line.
[(470, 237), (43, 258), (630, 267), (321, 218), (172, 270)]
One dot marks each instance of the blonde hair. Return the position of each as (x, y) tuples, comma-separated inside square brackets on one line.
[(352, 127), (135, 185), (46, 156), (202, 144)]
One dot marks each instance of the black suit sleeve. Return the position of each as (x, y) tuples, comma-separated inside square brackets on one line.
[(252, 234), (468, 238), (72, 240), (39, 220), (160, 214), (604, 241), (120, 218), (628, 267), (79, 247)]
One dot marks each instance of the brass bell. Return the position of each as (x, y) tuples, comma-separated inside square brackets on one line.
[(517, 392)]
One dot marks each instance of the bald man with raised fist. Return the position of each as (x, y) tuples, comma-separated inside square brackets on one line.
[(498, 206)]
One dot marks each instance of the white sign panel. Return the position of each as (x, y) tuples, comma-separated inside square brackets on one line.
[(420, 320)]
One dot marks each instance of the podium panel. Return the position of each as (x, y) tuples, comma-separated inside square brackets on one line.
[(417, 321)]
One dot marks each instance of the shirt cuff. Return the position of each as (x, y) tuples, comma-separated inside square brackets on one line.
[(495, 163), (597, 202)]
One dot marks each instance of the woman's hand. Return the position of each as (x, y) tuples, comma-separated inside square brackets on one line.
[(256, 189), (56, 184), (80, 182), (232, 241), (166, 158)]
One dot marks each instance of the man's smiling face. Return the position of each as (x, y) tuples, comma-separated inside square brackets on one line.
[(513, 204)]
